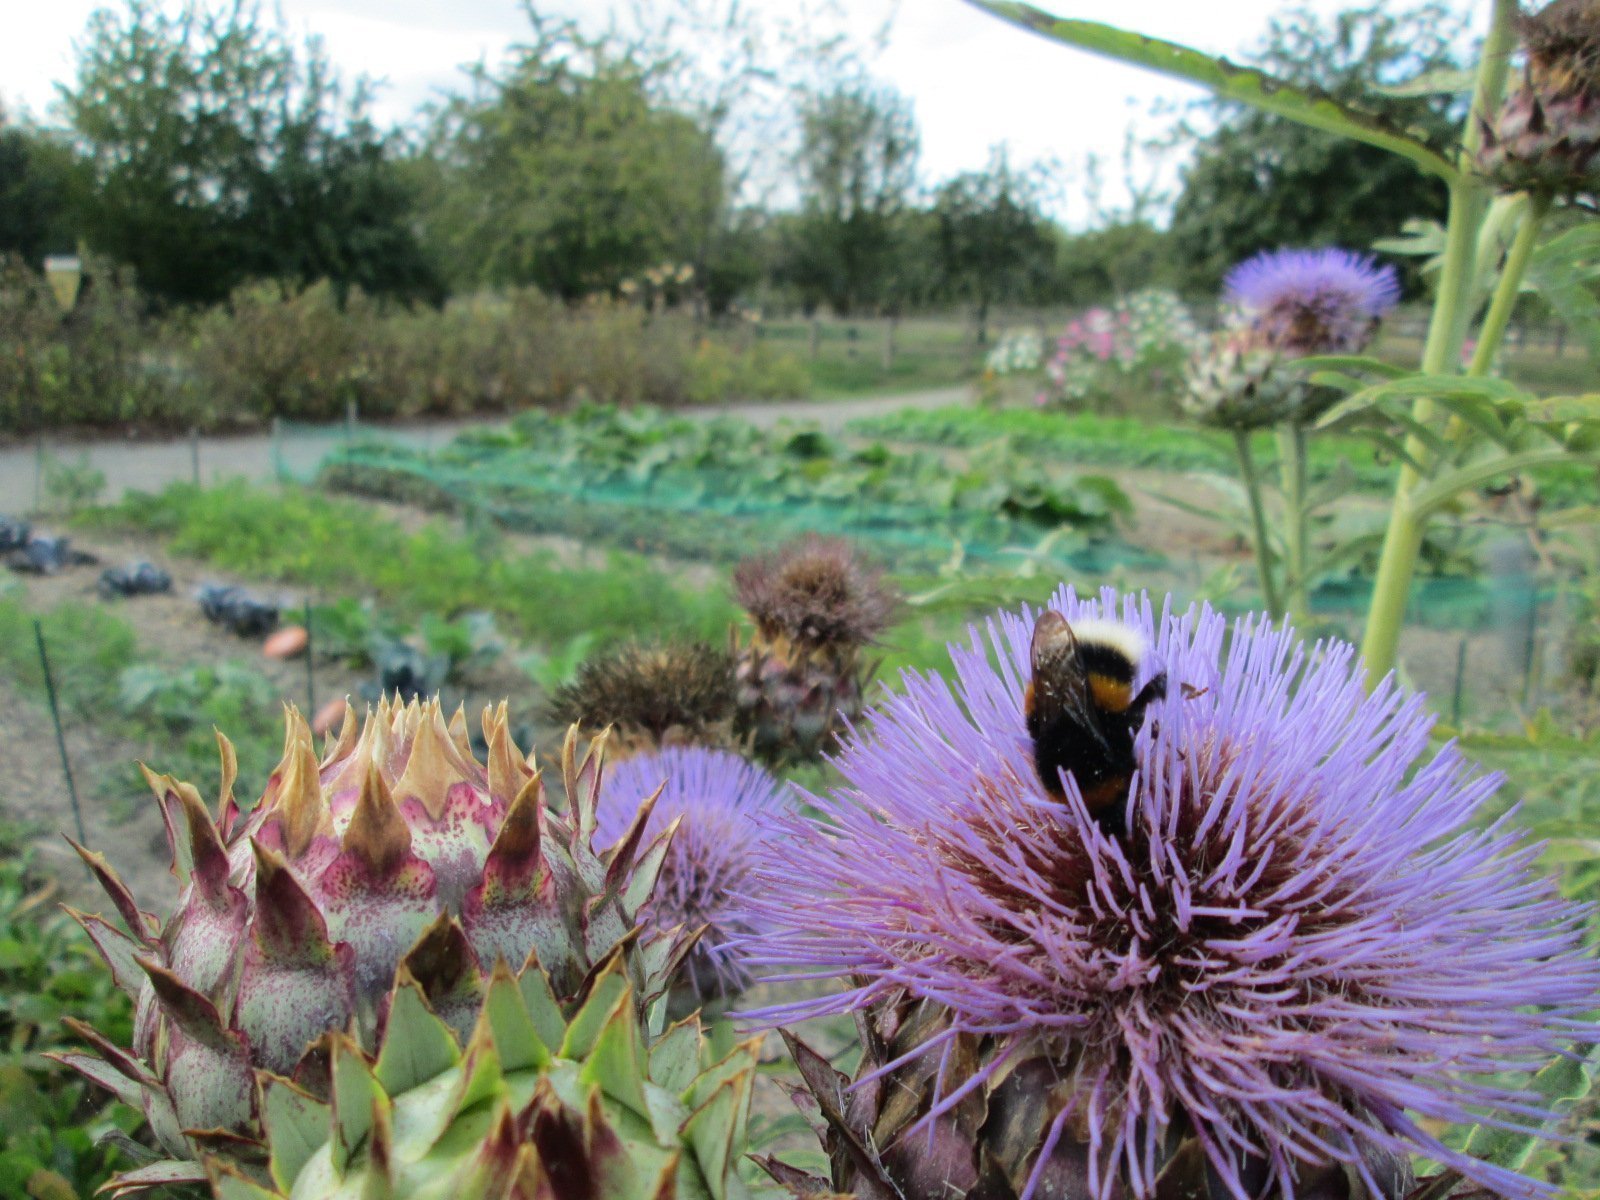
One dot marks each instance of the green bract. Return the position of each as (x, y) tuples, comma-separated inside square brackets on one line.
[(533, 1107)]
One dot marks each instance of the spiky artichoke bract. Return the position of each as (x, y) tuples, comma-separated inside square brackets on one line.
[(1546, 137), (724, 809), (816, 606), (1301, 957), (395, 853), (534, 1107), (1239, 384)]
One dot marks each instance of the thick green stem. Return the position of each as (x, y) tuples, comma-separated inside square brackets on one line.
[(1498, 319), (1258, 519), (1297, 523), (1442, 353)]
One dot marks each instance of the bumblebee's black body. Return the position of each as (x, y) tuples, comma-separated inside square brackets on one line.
[(1083, 715)]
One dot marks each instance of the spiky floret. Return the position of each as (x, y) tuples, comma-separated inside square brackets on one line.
[(725, 808), (1546, 136), (815, 592), (1301, 302), (534, 1106), (395, 850), (815, 604), (652, 695), (1303, 953)]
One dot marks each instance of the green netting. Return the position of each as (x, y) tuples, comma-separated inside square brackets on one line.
[(642, 496)]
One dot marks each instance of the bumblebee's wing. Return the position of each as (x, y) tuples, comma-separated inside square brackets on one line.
[(1059, 691)]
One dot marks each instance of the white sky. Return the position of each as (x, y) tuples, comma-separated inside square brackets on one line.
[(974, 80)]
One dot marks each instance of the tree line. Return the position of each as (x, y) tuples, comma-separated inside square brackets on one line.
[(204, 148)]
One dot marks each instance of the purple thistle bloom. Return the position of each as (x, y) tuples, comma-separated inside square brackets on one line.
[(1313, 301), (728, 807), (1299, 952)]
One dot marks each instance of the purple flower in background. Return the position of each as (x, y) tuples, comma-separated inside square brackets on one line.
[(728, 808), (1313, 301), (1304, 951)]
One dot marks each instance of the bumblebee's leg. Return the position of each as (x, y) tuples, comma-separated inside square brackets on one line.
[(1155, 690)]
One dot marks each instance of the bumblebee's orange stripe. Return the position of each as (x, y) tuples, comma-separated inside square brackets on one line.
[(1110, 695)]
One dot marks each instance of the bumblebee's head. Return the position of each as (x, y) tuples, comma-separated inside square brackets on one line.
[(1110, 653)]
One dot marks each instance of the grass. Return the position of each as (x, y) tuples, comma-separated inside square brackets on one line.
[(930, 352), (342, 546)]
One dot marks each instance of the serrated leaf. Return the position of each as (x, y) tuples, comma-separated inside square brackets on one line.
[(1228, 80)]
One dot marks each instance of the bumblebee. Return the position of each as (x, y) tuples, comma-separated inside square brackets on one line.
[(1082, 712)]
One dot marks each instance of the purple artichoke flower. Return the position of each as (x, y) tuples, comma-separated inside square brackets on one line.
[(1303, 951), (728, 807), (1313, 301)]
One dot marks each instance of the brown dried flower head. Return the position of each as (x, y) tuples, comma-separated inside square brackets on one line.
[(654, 694), (816, 592)]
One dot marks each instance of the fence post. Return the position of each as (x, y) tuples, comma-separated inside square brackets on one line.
[(888, 345), (277, 448), (816, 337), (194, 453), (351, 415)]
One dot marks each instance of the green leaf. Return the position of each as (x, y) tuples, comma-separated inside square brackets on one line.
[(1228, 80), (1563, 1081), (1446, 81)]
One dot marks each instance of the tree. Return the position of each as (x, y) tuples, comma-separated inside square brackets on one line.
[(857, 163), (563, 171), (38, 186), (1258, 181), (218, 152), (994, 242)]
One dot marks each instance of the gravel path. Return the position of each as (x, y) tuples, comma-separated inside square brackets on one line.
[(151, 465)]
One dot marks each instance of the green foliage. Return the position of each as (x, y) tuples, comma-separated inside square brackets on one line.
[(38, 181), (1259, 182), (89, 648), (563, 172), (994, 241), (604, 473), (174, 713), (719, 371), (51, 1121), (72, 485), (857, 163), (219, 152), (99, 365), (341, 546)]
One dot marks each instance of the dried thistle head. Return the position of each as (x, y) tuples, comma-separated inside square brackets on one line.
[(1563, 43), (816, 592), (656, 693)]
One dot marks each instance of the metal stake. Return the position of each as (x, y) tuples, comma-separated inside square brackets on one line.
[(61, 740)]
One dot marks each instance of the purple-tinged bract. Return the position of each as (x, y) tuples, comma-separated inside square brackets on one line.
[(726, 808), (1304, 302), (1304, 953)]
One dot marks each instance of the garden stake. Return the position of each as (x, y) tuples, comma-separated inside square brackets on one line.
[(61, 741), (311, 678)]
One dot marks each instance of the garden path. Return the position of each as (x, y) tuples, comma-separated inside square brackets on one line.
[(151, 465)]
